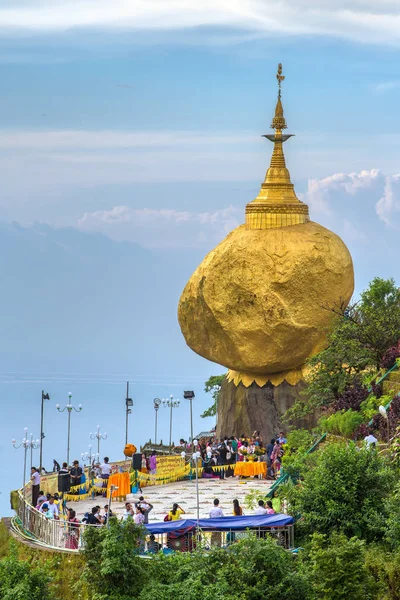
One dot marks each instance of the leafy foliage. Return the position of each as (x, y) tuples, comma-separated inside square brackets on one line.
[(332, 370), (213, 386), (391, 355), (113, 570), (380, 424), (342, 422), (250, 569), (392, 531), (344, 491), (337, 568), (360, 337), (294, 459), (352, 397), (384, 567), (378, 317), (19, 581)]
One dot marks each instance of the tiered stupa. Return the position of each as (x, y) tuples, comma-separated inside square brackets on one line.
[(259, 302)]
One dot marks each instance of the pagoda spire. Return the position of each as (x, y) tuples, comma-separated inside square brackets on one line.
[(277, 204)]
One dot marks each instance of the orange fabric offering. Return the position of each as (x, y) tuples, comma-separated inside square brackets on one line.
[(249, 469), (121, 481), (130, 450)]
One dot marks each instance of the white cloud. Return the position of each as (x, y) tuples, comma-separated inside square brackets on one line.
[(386, 86), (319, 190), (361, 20), (165, 228), (388, 206)]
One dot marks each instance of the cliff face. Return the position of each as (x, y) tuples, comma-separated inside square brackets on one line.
[(244, 410)]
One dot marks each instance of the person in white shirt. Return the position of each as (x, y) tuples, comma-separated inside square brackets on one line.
[(105, 468), (281, 438), (261, 510), (370, 439), (53, 511), (35, 478), (128, 512), (216, 511)]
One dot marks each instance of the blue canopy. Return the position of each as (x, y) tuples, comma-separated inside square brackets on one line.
[(221, 524)]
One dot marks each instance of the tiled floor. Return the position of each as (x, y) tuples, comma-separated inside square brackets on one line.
[(184, 493)]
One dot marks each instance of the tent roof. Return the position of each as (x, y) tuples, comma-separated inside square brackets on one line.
[(221, 524)]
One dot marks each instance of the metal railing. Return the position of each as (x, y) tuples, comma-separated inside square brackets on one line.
[(206, 539), (63, 535), (52, 533)]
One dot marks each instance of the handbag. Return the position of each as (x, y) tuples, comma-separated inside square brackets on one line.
[(166, 518)]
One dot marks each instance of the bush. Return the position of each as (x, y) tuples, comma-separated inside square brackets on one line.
[(337, 568), (389, 358), (250, 569), (20, 581), (384, 567), (380, 424), (351, 397), (345, 491), (342, 423), (113, 569)]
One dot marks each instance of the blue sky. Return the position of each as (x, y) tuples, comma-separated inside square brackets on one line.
[(142, 121)]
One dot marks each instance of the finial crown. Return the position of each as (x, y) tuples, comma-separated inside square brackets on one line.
[(279, 121)]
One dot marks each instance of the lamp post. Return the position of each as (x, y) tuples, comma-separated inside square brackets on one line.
[(385, 415), (44, 397), (98, 436), (25, 444), (189, 396), (156, 403), (88, 456), (195, 457), (112, 489), (33, 444), (69, 408), (128, 407), (170, 403)]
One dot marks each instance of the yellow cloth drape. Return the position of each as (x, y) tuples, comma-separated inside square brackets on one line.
[(249, 469)]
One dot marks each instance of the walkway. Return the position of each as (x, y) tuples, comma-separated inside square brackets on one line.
[(184, 493)]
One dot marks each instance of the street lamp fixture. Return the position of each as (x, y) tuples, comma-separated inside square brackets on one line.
[(128, 411), (98, 436), (384, 413), (87, 457), (189, 396), (170, 403), (195, 457), (69, 408), (27, 443), (45, 396), (157, 404)]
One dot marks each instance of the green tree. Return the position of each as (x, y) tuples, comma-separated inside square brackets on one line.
[(20, 581), (360, 335), (344, 489), (377, 317), (213, 386), (251, 569), (337, 568), (113, 569)]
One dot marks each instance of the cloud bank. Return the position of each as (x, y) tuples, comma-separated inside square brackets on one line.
[(166, 228), (360, 20), (355, 205)]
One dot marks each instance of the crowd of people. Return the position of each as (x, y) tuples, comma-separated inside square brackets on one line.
[(229, 450)]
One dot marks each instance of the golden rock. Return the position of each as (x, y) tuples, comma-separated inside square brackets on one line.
[(260, 302)]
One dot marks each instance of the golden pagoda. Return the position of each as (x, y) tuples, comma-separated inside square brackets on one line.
[(259, 302)]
